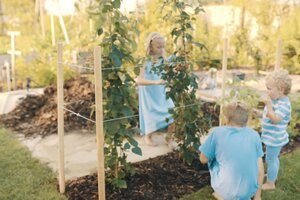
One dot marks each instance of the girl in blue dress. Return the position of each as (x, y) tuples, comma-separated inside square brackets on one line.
[(153, 104)]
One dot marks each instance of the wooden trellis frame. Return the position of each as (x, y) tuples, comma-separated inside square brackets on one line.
[(99, 120)]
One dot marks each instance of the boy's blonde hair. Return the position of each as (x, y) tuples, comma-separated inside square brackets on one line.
[(282, 80), (236, 112), (151, 37)]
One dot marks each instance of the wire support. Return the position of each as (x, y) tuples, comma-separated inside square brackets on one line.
[(125, 117), (76, 66), (136, 66), (189, 105), (115, 119), (79, 115)]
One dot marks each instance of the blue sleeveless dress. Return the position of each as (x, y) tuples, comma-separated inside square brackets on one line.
[(153, 104)]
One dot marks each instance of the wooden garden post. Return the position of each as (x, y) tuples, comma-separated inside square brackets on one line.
[(60, 117), (91, 25), (6, 64), (224, 70), (63, 27), (99, 122), (42, 20), (13, 52), (278, 54), (52, 30)]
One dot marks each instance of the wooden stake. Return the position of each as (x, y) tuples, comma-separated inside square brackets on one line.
[(63, 27), (99, 122), (91, 25), (278, 54), (42, 21), (60, 117), (224, 70), (13, 53), (52, 30), (6, 64)]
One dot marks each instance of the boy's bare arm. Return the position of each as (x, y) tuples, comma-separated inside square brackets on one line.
[(203, 137), (257, 113), (261, 173), (271, 113), (203, 159)]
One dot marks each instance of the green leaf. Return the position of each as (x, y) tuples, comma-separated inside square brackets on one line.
[(99, 31), (119, 183), (127, 146), (188, 157), (137, 150), (132, 141), (112, 160), (116, 4)]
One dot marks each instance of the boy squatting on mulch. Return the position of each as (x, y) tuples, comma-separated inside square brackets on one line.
[(234, 152)]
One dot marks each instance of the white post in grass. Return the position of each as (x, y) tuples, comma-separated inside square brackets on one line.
[(42, 18), (278, 54), (63, 27), (6, 64), (224, 70), (60, 117), (99, 121), (13, 52), (52, 30), (91, 25)]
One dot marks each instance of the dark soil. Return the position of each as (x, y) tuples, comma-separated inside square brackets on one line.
[(292, 145), (37, 115), (163, 177)]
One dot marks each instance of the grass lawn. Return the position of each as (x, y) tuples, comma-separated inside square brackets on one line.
[(21, 176), (288, 185)]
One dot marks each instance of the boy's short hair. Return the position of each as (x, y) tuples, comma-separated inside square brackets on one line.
[(236, 112), (281, 79)]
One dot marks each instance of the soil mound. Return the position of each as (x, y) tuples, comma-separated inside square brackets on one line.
[(37, 115)]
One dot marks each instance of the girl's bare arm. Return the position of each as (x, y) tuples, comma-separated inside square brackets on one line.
[(141, 81)]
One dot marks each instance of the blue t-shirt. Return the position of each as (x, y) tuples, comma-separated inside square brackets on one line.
[(233, 161), (275, 134)]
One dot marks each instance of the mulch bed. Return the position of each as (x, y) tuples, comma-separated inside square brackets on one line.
[(37, 114), (292, 145), (164, 177)]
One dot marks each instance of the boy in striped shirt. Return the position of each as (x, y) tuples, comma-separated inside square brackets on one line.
[(275, 119)]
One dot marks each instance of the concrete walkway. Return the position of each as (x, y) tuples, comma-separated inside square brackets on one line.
[(81, 151), (9, 100)]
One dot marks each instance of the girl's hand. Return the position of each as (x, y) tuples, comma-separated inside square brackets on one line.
[(161, 82)]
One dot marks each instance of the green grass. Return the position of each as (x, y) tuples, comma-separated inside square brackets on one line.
[(288, 185), (21, 176)]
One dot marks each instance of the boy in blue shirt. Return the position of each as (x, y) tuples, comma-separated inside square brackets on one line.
[(275, 119), (234, 156)]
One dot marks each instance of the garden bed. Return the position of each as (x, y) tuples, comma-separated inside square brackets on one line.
[(37, 114), (163, 177)]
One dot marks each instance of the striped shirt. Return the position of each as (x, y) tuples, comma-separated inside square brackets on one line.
[(275, 134)]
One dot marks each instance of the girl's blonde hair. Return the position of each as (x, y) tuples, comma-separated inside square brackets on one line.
[(151, 37), (282, 80), (236, 112)]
